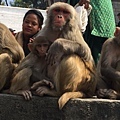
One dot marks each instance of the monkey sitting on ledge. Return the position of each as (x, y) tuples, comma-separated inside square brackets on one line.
[(74, 74), (11, 54), (109, 68), (32, 69)]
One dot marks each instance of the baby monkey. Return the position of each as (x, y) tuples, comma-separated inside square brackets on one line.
[(32, 69)]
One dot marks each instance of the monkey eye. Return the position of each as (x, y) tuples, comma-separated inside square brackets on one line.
[(57, 10), (43, 45), (65, 12)]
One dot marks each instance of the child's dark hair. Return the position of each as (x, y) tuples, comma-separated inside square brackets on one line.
[(37, 13)]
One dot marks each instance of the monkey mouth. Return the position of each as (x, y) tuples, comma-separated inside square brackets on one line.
[(57, 28), (58, 24)]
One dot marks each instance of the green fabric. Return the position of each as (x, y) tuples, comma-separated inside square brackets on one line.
[(102, 21)]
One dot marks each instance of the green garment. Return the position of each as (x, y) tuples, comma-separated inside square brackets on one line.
[(102, 21)]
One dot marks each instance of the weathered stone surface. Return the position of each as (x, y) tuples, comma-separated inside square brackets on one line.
[(14, 107)]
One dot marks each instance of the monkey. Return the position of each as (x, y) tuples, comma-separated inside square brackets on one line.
[(108, 69), (69, 55), (31, 69), (11, 54)]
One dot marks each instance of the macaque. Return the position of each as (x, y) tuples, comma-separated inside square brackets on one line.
[(109, 68), (69, 55), (32, 69), (11, 54)]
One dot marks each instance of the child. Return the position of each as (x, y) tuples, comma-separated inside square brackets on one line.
[(32, 23)]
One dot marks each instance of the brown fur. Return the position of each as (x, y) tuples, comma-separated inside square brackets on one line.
[(32, 69), (75, 71), (73, 80), (11, 55), (109, 69)]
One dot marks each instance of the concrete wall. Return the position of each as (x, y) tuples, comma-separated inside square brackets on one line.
[(14, 107)]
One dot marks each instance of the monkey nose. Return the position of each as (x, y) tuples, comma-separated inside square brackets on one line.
[(59, 16)]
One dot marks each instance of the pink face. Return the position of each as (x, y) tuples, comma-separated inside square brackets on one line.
[(30, 25), (60, 16)]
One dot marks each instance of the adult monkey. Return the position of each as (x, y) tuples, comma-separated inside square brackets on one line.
[(11, 55), (109, 68), (75, 72)]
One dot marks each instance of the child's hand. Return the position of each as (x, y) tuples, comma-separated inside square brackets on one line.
[(31, 40)]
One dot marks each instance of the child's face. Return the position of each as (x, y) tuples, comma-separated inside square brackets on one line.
[(30, 25), (42, 49)]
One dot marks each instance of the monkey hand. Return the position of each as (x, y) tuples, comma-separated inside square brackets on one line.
[(42, 83), (107, 93), (43, 90), (55, 53), (27, 94), (59, 48)]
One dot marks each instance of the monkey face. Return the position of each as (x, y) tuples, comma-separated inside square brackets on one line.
[(61, 16), (42, 49)]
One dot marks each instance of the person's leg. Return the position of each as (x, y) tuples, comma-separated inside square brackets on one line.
[(96, 47)]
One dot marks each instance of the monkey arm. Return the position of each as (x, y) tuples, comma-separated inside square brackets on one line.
[(28, 61), (44, 90), (110, 73), (21, 81), (108, 62), (43, 82), (66, 47)]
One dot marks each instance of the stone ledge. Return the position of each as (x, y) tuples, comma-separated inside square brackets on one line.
[(14, 107)]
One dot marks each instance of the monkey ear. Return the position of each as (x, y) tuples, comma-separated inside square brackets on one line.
[(30, 46), (117, 31)]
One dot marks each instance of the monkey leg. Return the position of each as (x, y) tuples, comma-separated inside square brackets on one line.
[(21, 81), (72, 79), (44, 90), (109, 89), (72, 75), (6, 70), (42, 83)]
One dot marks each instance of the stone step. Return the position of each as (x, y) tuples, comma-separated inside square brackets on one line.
[(14, 107)]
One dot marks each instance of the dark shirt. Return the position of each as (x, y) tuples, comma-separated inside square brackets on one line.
[(73, 2), (118, 24), (25, 47)]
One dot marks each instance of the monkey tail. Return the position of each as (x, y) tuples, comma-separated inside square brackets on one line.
[(67, 96)]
